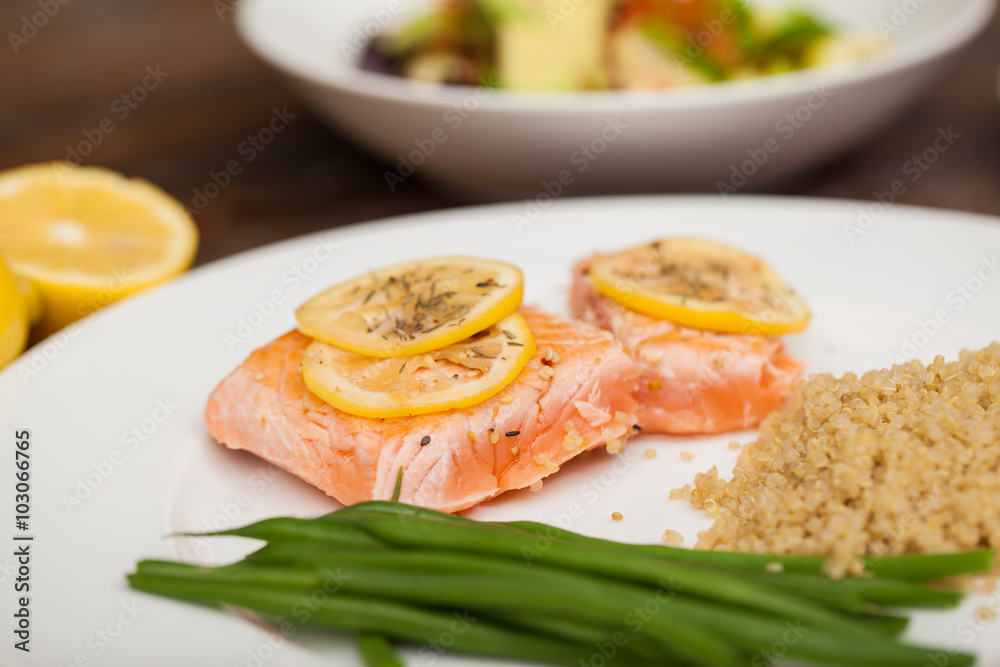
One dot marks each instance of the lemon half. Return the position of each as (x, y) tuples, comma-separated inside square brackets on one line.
[(85, 236), (13, 318)]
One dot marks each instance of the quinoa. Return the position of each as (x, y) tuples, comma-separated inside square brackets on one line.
[(900, 460), (672, 538)]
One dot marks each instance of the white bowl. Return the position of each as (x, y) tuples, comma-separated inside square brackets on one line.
[(727, 137)]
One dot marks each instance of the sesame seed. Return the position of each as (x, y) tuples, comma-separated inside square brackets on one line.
[(426, 440), (258, 376), (650, 453), (472, 437), (775, 567), (614, 446), (636, 427), (617, 516), (536, 487), (515, 450), (655, 385), (621, 417), (549, 352), (546, 373), (734, 445), (507, 399), (494, 436), (686, 456), (511, 434)]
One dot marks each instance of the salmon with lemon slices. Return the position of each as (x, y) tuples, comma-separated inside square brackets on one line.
[(576, 393), (691, 381)]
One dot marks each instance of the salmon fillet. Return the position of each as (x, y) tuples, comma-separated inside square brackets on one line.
[(265, 408), (692, 381)]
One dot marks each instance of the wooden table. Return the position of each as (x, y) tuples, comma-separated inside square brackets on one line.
[(204, 94)]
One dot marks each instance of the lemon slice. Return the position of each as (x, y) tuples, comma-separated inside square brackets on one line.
[(414, 307), (85, 236), (456, 376), (13, 318), (702, 285)]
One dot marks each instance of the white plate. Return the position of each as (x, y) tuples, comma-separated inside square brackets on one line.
[(501, 143), (82, 395)]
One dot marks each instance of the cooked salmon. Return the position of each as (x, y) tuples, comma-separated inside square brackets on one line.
[(450, 460), (692, 381)]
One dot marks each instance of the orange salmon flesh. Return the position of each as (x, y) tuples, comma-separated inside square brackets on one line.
[(265, 408), (692, 382)]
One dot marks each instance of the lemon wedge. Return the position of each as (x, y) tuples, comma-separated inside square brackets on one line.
[(13, 318), (702, 285), (413, 307), (85, 236), (455, 376)]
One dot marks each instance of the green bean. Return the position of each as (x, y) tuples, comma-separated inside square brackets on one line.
[(856, 594), (431, 576), (484, 583), (571, 630), (310, 551), (815, 644), (720, 586), (890, 625), (911, 567), (402, 622), (388, 572), (753, 633), (376, 650), (302, 529), (317, 552), (929, 567), (476, 584)]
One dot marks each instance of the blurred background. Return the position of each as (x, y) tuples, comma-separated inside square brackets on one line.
[(205, 93)]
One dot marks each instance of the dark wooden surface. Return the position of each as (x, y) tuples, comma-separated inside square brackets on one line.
[(65, 80)]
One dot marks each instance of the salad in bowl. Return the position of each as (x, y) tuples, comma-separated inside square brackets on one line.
[(609, 44)]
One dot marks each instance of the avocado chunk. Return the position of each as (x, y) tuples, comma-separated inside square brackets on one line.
[(552, 44)]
